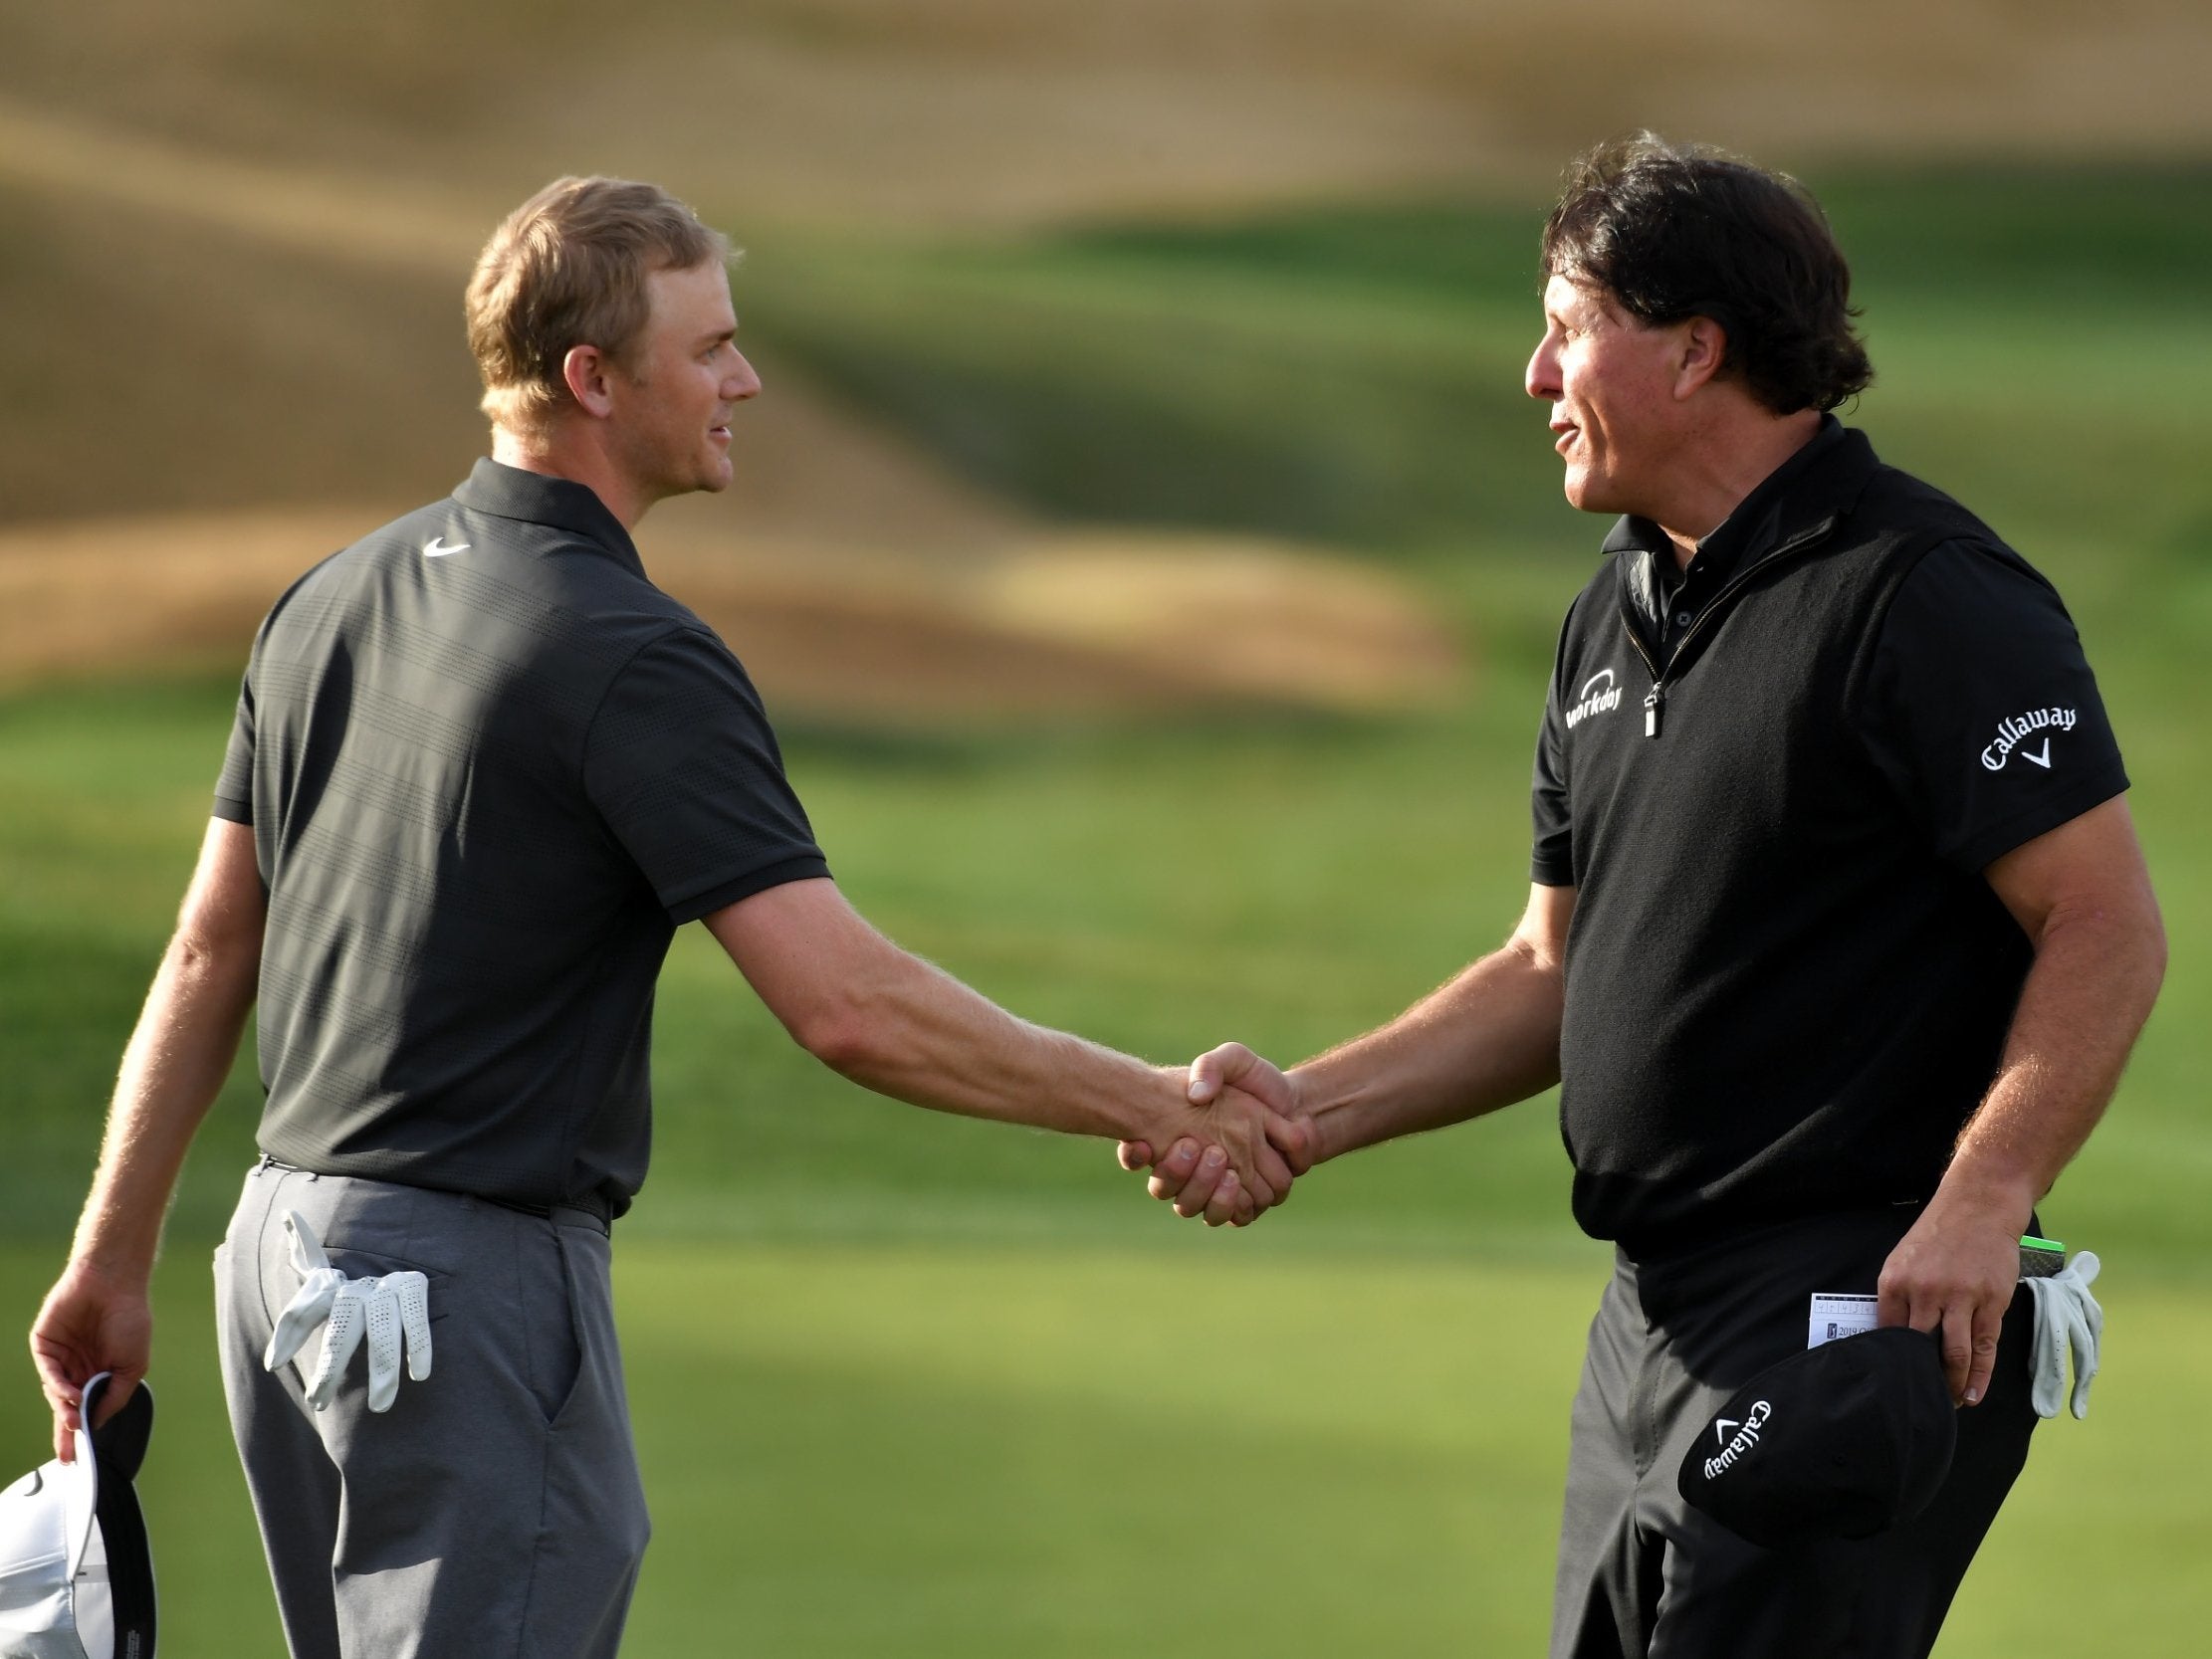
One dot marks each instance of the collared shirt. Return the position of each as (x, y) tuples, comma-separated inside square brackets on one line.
[(490, 769), (1789, 981), (1670, 596)]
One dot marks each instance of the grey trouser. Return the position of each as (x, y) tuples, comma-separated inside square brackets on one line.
[(494, 1509), (1642, 1575)]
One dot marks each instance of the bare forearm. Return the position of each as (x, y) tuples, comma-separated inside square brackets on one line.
[(2096, 975), (1488, 1038), (177, 1058), (921, 1036)]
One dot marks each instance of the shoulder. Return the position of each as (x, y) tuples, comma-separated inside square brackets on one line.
[(680, 674), (1921, 552), (336, 577), (1909, 513), (1968, 599)]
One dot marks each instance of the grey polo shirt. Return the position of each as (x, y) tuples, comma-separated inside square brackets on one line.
[(490, 769)]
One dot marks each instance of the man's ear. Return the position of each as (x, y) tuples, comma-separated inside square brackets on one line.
[(1700, 355), (585, 368)]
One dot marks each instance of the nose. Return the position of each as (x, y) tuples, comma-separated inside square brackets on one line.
[(742, 382), (1541, 378)]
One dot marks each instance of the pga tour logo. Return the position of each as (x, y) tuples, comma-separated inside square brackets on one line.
[(1599, 694), (2013, 733), (1747, 1436)]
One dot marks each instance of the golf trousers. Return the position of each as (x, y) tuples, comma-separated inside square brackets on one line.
[(1642, 1575), (494, 1509)]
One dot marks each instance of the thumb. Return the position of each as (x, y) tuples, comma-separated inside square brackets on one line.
[(1218, 1066), (122, 1382)]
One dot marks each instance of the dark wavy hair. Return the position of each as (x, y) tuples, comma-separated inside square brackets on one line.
[(1673, 231)]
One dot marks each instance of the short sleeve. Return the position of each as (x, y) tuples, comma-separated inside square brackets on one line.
[(234, 785), (1979, 706), (1552, 860), (683, 767)]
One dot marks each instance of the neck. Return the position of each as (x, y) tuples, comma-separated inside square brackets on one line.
[(1721, 469), (565, 451)]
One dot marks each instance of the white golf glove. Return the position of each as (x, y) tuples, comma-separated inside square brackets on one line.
[(2067, 1317), (386, 1308)]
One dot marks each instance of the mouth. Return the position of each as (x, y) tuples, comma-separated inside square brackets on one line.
[(1568, 433), (720, 434)]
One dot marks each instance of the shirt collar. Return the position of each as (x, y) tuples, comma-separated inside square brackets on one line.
[(1798, 498), (1831, 466), (538, 499), (1757, 515)]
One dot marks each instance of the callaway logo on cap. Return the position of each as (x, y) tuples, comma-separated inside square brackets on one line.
[(1844, 1440), (76, 1575)]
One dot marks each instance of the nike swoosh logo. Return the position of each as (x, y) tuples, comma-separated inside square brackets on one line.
[(438, 549), (2043, 760)]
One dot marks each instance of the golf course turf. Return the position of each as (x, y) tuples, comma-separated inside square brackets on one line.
[(907, 1385)]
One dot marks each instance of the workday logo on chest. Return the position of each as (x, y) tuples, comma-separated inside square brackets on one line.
[(1600, 694)]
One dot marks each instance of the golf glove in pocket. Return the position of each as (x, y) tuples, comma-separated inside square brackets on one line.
[(2067, 1318), (391, 1310)]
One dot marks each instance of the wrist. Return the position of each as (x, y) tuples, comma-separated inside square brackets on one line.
[(119, 1257), (1326, 1117), (2001, 1199)]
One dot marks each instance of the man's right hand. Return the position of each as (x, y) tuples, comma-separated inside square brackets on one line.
[(1197, 1175), (91, 1322)]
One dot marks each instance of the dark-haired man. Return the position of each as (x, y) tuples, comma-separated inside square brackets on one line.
[(1838, 934), (482, 771)]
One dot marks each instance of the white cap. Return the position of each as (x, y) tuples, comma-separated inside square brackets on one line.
[(76, 1575)]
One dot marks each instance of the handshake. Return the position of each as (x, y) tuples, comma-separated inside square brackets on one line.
[(1240, 1155)]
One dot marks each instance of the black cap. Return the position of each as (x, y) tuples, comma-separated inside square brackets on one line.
[(1844, 1440), (120, 1449)]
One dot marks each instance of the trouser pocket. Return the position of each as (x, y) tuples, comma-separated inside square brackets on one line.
[(556, 1327)]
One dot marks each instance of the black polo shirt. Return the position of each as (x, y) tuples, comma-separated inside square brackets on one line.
[(490, 769), (1788, 982)]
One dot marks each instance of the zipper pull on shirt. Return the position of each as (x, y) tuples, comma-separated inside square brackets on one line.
[(1653, 700)]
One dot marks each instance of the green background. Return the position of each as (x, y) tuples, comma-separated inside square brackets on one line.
[(911, 1385)]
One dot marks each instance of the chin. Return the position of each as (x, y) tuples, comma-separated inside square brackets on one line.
[(1587, 495)]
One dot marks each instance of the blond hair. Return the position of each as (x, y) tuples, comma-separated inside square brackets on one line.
[(566, 268)]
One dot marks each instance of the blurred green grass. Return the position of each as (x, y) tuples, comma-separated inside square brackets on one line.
[(890, 1370), (961, 1449)]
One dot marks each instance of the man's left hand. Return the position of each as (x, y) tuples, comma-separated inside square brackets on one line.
[(1954, 1274)]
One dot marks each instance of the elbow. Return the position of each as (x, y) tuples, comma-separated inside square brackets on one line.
[(204, 956), (842, 1033), (2154, 958), (2124, 942), (837, 1041), (2146, 953)]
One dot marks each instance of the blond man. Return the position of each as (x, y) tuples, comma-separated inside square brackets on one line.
[(482, 769)]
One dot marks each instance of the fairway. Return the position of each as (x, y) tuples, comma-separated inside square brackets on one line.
[(906, 1385), (926, 1449)]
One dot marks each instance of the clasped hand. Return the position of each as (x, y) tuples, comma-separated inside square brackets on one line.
[(1200, 1174), (384, 1308)]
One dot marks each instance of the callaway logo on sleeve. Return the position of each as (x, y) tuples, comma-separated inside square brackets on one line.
[(2014, 731)]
